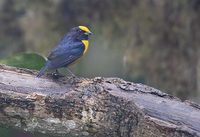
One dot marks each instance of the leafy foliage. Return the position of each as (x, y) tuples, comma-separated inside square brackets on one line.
[(25, 60)]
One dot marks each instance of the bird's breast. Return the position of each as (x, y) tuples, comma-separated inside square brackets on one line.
[(86, 45)]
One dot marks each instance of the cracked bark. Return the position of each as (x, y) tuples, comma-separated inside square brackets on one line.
[(98, 107)]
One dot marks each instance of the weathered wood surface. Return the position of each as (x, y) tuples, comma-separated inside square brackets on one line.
[(99, 107)]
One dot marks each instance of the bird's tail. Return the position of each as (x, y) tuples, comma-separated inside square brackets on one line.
[(42, 71)]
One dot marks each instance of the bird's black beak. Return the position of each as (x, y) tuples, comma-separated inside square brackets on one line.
[(88, 33)]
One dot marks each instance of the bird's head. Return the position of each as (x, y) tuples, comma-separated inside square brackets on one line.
[(80, 32)]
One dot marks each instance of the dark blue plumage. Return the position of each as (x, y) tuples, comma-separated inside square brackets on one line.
[(69, 49)]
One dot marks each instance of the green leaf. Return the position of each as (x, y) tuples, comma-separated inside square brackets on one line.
[(25, 60)]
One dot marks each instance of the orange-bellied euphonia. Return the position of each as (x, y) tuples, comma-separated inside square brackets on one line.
[(71, 47)]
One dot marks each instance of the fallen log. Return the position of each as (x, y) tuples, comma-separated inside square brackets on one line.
[(99, 107)]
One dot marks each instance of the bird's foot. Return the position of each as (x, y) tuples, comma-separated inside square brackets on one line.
[(71, 73), (73, 79), (56, 75), (74, 76)]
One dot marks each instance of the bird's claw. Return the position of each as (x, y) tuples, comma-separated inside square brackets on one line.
[(56, 75)]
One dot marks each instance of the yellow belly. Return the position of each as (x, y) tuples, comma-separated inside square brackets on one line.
[(86, 45)]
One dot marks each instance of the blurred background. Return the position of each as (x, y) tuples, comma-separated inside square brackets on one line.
[(154, 42)]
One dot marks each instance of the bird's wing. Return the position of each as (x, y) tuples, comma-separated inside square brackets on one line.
[(62, 56), (62, 48)]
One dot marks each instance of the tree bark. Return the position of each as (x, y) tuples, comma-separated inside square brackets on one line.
[(99, 107)]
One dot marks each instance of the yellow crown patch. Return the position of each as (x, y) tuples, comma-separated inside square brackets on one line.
[(84, 28)]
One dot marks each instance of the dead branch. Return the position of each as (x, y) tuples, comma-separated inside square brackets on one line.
[(99, 107)]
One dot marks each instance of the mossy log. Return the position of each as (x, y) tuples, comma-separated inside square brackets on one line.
[(99, 107)]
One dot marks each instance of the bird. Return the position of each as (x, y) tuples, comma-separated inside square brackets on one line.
[(70, 48)]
